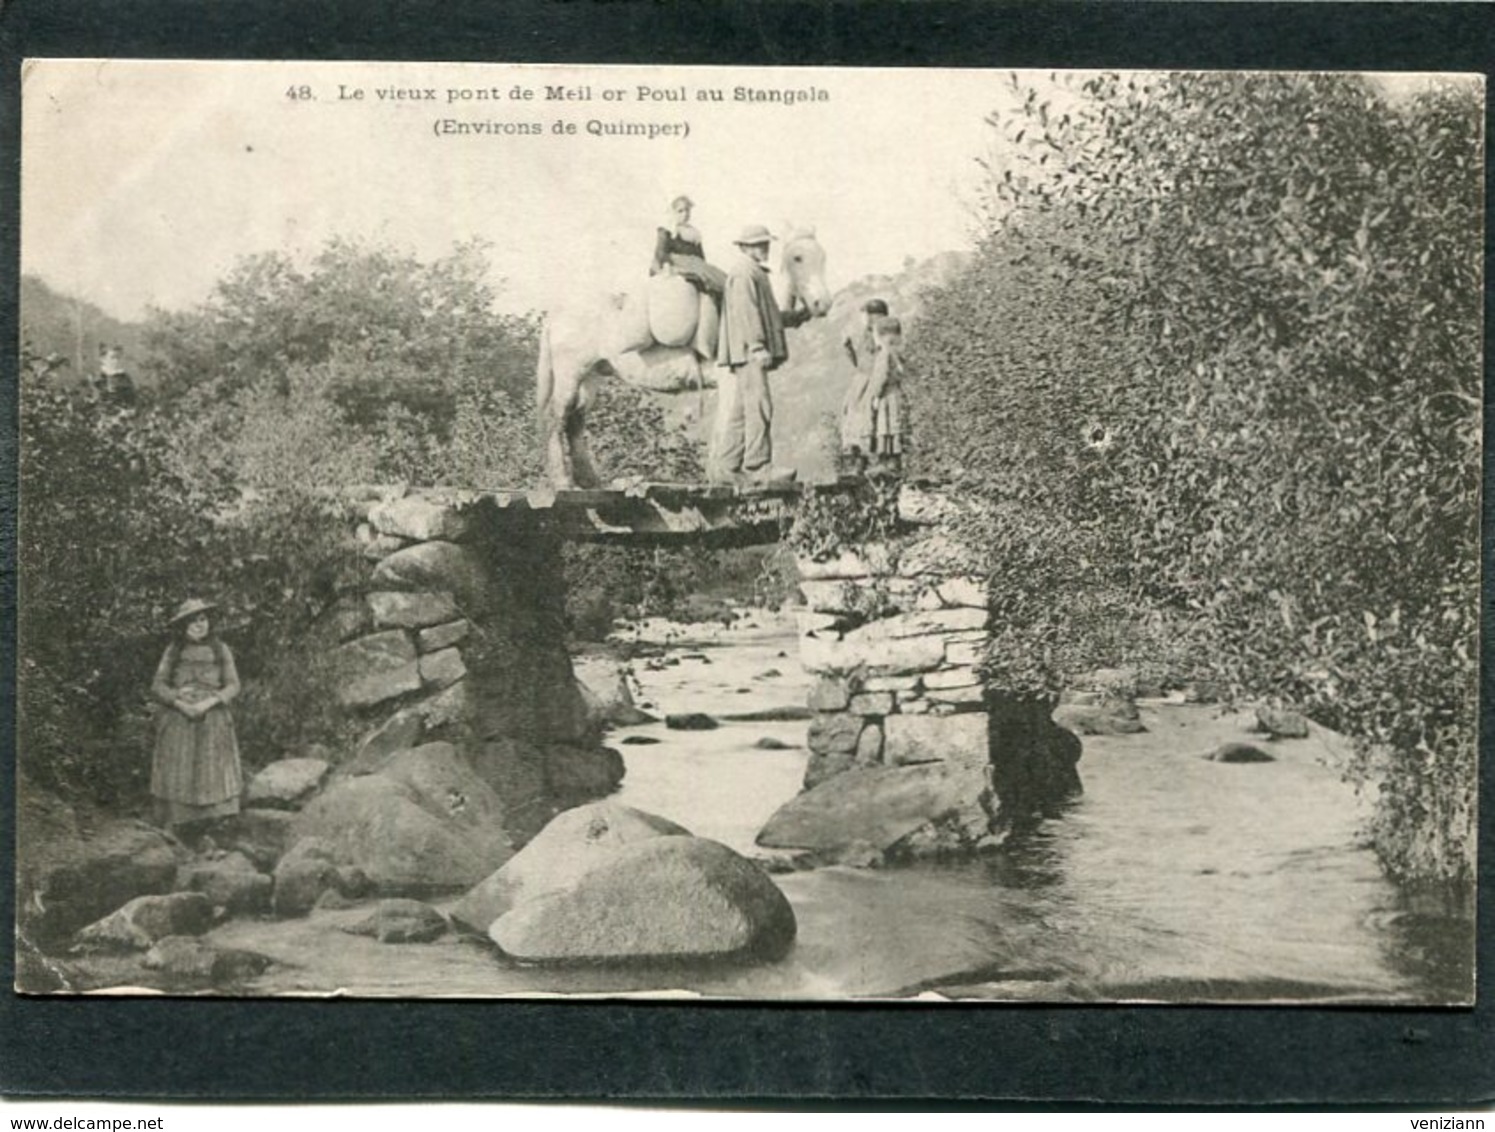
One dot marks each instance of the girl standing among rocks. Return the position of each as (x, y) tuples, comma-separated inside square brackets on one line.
[(195, 775)]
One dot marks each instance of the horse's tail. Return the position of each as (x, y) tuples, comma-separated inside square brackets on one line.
[(544, 378)]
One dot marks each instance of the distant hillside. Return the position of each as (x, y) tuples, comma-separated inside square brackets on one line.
[(54, 323), (807, 391)]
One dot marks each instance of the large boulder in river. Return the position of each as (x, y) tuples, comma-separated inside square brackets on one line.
[(665, 898), (895, 811), (68, 881), (424, 823), (574, 843), (146, 919)]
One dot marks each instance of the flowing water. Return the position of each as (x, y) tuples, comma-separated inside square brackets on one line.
[(1173, 878)]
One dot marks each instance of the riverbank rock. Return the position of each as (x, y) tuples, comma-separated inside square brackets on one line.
[(883, 809), (666, 898), (690, 721), (769, 743), (70, 881), (1034, 763), (604, 688), (579, 774), (423, 823), (401, 921), (193, 962), (639, 741), (781, 713), (285, 784), (231, 882), (1101, 702), (573, 843), (308, 870), (261, 835), (1107, 716), (401, 731), (821, 766), (1239, 753), (1280, 723), (146, 919)]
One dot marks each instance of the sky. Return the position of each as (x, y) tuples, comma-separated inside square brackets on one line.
[(144, 181)]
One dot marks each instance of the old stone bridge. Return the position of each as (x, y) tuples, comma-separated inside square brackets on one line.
[(459, 635)]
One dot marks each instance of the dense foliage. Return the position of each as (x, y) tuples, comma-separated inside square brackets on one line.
[(1216, 373), (112, 537)]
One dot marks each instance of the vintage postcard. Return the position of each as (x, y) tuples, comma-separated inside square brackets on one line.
[(764, 533)]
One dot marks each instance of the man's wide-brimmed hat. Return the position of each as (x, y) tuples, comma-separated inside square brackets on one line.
[(753, 234), (191, 608)]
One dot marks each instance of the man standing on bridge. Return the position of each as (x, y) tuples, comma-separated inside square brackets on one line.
[(750, 346)]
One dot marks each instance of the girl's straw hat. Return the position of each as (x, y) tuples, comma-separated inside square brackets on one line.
[(191, 608)]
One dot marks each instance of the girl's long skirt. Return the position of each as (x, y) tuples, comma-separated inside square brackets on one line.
[(890, 425), (195, 774)]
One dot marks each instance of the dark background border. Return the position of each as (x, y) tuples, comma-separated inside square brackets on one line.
[(222, 1050)]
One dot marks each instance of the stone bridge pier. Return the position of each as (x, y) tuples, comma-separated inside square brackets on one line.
[(913, 754)]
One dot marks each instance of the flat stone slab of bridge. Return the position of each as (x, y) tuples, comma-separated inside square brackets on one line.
[(640, 514)]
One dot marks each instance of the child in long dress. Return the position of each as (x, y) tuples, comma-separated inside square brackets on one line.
[(857, 416), (195, 773), (886, 394)]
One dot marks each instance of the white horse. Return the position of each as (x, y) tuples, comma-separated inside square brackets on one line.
[(579, 347)]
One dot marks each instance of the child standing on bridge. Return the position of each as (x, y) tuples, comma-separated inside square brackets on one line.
[(886, 395), (857, 414)]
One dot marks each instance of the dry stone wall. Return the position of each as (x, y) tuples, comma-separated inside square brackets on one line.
[(912, 753), (895, 633)]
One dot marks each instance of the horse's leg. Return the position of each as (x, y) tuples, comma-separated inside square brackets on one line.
[(584, 470), (557, 449), (555, 390)]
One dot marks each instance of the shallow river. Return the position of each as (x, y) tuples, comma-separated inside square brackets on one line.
[(1172, 878)]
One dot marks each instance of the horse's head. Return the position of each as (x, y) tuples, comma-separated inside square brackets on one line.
[(803, 269)]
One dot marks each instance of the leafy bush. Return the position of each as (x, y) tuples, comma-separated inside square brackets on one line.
[(112, 538), (1218, 362)]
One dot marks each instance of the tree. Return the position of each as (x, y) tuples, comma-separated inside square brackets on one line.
[(108, 539), (1220, 354)]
